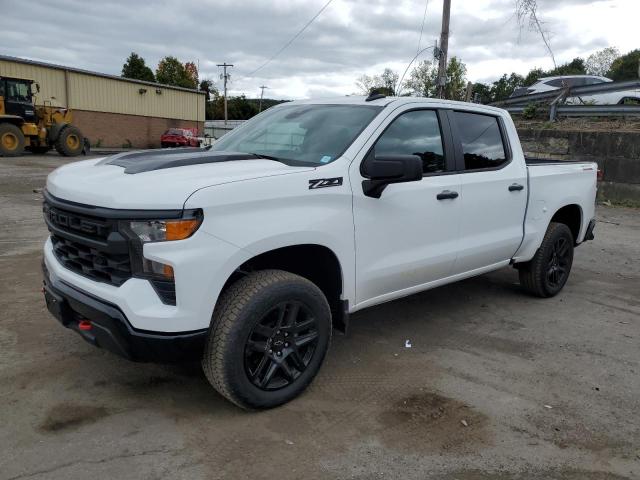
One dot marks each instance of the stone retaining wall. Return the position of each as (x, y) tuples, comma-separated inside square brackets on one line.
[(616, 153)]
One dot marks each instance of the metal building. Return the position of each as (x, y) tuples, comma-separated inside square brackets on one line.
[(111, 111)]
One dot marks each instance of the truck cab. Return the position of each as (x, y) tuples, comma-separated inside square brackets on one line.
[(249, 253), (17, 97)]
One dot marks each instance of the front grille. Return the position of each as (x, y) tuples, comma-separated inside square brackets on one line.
[(91, 262), (89, 245), (87, 240)]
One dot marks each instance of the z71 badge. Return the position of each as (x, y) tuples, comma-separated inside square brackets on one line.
[(325, 182)]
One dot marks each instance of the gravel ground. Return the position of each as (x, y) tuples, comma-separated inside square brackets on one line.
[(496, 384)]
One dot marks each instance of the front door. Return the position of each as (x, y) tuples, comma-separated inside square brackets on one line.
[(409, 236)]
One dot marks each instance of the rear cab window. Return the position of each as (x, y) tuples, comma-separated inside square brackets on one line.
[(481, 141)]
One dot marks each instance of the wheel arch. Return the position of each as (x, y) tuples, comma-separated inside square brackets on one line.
[(317, 263), (571, 215)]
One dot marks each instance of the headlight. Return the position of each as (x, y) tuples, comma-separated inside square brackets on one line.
[(164, 230), (140, 232)]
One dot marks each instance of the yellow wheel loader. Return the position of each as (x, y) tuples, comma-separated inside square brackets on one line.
[(23, 126)]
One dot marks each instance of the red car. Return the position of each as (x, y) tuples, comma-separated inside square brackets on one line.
[(180, 137)]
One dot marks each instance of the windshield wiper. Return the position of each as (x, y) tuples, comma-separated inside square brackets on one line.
[(266, 157), (287, 161)]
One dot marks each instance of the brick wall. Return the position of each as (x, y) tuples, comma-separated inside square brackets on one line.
[(118, 130)]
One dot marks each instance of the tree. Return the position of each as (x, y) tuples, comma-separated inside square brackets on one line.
[(574, 67), (422, 79), (502, 88), (626, 67), (600, 62), (192, 73), (527, 12), (209, 89), (482, 92), (136, 68), (384, 83), (171, 72), (456, 86)]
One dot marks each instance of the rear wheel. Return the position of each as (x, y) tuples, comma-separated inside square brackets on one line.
[(548, 270), (11, 140), (70, 142), (269, 334)]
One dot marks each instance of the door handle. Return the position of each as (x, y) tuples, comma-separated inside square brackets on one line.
[(516, 187), (446, 194)]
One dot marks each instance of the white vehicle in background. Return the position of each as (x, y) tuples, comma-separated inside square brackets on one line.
[(246, 253), (547, 84)]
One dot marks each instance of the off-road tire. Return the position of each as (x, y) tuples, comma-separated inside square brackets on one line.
[(533, 274), (11, 140), (70, 141), (239, 309)]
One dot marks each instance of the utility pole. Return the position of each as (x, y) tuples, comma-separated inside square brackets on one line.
[(444, 46), (261, 95), (225, 76)]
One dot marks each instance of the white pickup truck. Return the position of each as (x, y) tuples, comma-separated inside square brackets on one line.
[(245, 254)]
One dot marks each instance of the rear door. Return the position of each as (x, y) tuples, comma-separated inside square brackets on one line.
[(493, 191), (409, 236)]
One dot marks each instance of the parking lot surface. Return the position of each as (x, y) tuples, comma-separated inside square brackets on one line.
[(471, 381)]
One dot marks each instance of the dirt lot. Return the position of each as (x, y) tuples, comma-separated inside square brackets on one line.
[(496, 384)]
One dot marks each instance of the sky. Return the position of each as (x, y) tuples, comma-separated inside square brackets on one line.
[(350, 37)]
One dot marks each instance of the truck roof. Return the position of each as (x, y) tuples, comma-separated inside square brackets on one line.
[(396, 101)]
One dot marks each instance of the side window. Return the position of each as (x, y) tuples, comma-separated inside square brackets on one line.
[(481, 140), (557, 83), (415, 133), (593, 81)]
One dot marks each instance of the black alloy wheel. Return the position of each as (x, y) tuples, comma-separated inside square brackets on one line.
[(559, 264), (280, 346)]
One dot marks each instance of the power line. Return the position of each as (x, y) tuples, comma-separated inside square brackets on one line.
[(424, 17), (291, 40)]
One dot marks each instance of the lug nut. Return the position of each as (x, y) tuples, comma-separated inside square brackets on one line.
[(286, 334), (270, 351), (279, 354), (286, 344), (278, 332)]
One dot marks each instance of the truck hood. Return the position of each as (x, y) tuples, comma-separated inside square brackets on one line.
[(104, 182)]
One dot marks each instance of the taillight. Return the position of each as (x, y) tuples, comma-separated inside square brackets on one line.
[(599, 175)]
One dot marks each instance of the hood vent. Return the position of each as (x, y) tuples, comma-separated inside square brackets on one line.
[(150, 160)]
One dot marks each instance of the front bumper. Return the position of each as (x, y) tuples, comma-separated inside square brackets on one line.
[(104, 325)]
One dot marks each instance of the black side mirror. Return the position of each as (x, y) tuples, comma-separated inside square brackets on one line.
[(382, 170)]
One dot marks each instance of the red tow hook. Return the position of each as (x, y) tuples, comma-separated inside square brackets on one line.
[(84, 325)]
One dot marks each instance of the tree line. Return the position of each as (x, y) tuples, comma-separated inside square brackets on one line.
[(422, 80), (170, 71)]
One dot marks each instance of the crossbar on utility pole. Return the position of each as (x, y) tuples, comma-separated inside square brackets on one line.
[(444, 46), (225, 76), (262, 87)]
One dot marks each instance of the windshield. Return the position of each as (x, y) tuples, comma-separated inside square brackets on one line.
[(309, 134), (174, 131)]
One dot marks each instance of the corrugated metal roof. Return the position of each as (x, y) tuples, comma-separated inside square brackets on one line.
[(96, 74)]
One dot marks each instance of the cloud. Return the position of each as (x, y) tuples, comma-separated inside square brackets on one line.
[(350, 38)]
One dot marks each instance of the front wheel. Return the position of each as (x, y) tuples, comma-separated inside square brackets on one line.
[(547, 272), (11, 140), (269, 335)]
